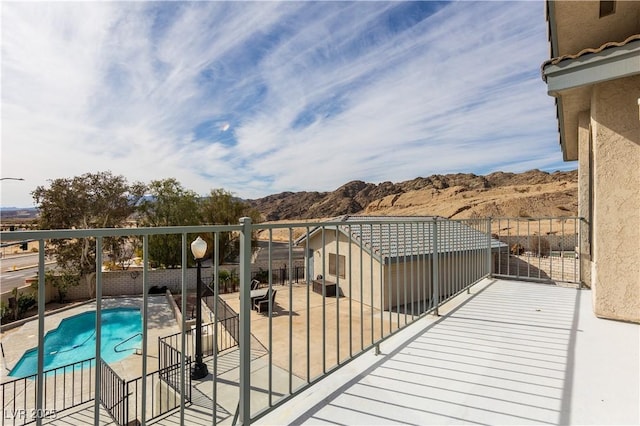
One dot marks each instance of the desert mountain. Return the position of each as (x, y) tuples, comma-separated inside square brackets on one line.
[(530, 194)]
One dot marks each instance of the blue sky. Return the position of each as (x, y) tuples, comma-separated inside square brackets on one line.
[(263, 97)]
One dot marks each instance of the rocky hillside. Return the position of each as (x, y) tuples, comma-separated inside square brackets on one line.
[(531, 194)]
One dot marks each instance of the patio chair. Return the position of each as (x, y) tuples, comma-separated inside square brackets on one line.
[(261, 304), (255, 284)]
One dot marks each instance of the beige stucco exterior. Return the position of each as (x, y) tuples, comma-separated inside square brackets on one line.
[(584, 196), (615, 132), (600, 127), (576, 25)]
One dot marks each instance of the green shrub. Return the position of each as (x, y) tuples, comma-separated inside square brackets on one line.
[(229, 281), (62, 281), (262, 275), (25, 301), (5, 312)]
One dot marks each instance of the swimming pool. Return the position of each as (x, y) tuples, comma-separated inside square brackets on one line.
[(75, 340)]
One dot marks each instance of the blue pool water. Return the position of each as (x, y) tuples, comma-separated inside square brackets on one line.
[(75, 340)]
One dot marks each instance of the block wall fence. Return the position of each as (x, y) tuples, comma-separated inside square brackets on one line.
[(121, 283)]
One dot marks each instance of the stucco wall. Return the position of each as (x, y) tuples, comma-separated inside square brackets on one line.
[(354, 267), (585, 150), (615, 130), (576, 16)]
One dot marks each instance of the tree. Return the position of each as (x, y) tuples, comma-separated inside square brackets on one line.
[(121, 252), (92, 200), (61, 281), (169, 205), (222, 208)]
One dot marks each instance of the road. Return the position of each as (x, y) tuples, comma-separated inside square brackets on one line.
[(18, 261), (15, 269)]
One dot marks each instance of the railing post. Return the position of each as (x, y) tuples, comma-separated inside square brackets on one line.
[(579, 223), (98, 325), (41, 309), (125, 389), (184, 374), (245, 318), (434, 270), (145, 321), (468, 278), (488, 261)]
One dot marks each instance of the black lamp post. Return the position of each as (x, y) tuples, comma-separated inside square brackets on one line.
[(199, 369)]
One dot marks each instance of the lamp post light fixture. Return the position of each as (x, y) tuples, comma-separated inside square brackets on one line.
[(199, 369), (11, 178)]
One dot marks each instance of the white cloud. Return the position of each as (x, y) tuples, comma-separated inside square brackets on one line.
[(263, 97)]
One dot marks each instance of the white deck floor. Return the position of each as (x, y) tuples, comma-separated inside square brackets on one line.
[(512, 353)]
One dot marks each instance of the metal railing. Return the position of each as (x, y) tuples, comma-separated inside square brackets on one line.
[(165, 395), (385, 274), (63, 388), (122, 399), (71, 385), (227, 335), (540, 249), (228, 324), (113, 394), (279, 275)]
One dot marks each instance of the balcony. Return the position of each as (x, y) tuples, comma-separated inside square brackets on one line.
[(511, 352), (421, 333)]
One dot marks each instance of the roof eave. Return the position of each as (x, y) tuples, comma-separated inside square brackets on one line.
[(614, 63), (582, 72)]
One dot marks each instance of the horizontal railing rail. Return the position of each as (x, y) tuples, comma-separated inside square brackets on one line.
[(342, 287)]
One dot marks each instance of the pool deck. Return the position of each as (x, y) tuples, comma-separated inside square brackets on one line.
[(161, 323)]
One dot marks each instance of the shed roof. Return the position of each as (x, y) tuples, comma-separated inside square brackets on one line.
[(393, 237)]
